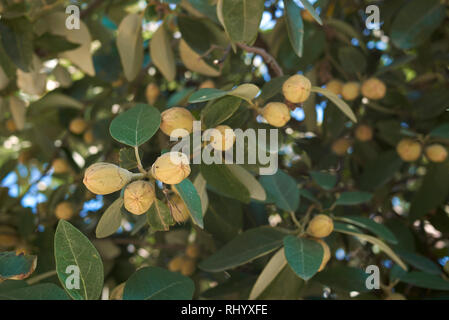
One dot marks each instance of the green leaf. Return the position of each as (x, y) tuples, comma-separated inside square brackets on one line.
[(337, 101), (433, 191), (111, 220), (130, 45), (416, 21), (221, 110), (200, 186), (153, 283), (72, 248), (376, 228), (53, 100), (343, 278), (16, 267), (353, 198), (159, 216), (303, 255), (42, 291), (283, 189), (162, 53), (420, 262), (345, 228), (222, 180), (206, 94), (295, 26), (346, 29), (241, 18), (53, 44), (312, 11), (246, 247), (194, 62), (17, 39), (192, 200), (190, 28), (380, 170), (136, 126), (425, 280), (256, 191), (246, 91), (127, 158), (441, 131), (352, 60), (325, 180), (271, 88)]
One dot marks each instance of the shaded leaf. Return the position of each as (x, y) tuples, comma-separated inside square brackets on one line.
[(130, 45), (111, 219), (16, 267), (337, 101), (162, 53), (159, 216)]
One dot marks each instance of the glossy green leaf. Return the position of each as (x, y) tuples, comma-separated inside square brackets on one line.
[(343, 278), (441, 131), (159, 216), (295, 26), (16, 267), (325, 180), (351, 198), (192, 200), (419, 262), (111, 219), (72, 248), (42, 291), (303, 255), (425, 280), (136, 125), (376, 228), (311, 9), (206, 94), (283, 189), (337, 101), (244, 248), (220, 110), (256, 191), (153, 283)]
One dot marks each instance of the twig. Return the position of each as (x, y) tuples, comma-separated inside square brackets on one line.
[(295, 221), (139, 162), (265, 56), (41, 276)]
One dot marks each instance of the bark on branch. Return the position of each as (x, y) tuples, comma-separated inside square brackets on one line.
[(265, 56)]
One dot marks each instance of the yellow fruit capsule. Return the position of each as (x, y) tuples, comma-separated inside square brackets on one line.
[(188, 267), (178, 209), (78, 126), (88, 136), (11, 125), (117, 292), (341, 146), (296, 89), (436, 153), (152, 93), (192, 251), (222, 139), (363, 133), (409, 150), (208, 84), (60, 166), (373, 89), (138, 197), (335, 86), (64, 210), (276, 113), (326, 254), (105, 178), (395, 296), (350, 91), (171, 168), (320, 226), (177, 118), (307, 16), (175, 264)]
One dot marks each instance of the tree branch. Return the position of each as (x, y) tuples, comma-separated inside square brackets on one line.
[(265, 56)]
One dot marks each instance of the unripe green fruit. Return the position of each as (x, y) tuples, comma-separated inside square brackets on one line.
[(138, 197), (341, 146), (178, 209), (326, 254), (223, 139), (192, 251), (374, 89), (364, 133), (409, 150), (208, 84), (335, 86), (105, 178), (350, 91), (60, 166), (176, 118), (78, 126), (436, 153), (320, 226), (152, 93), (64, 211), (296, 89), (171, 168), (276, 113)]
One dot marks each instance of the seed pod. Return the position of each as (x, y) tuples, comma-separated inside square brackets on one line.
[(175, 264), (341, 146), (320, 226), (64, 210), (188, 267), (138, 197), (208, 84), (364, 133), (60, 166), (409, 150), (326, 254), (335, 86), (105, 178), (88, 136), (373, 89), (192, 251), (350, 91), (436, 153), (171, 168), (395, 296), (178, 209), (296, 89), (276, 113), (222, 139), (152, 93), (176, 118), (78, 126)]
